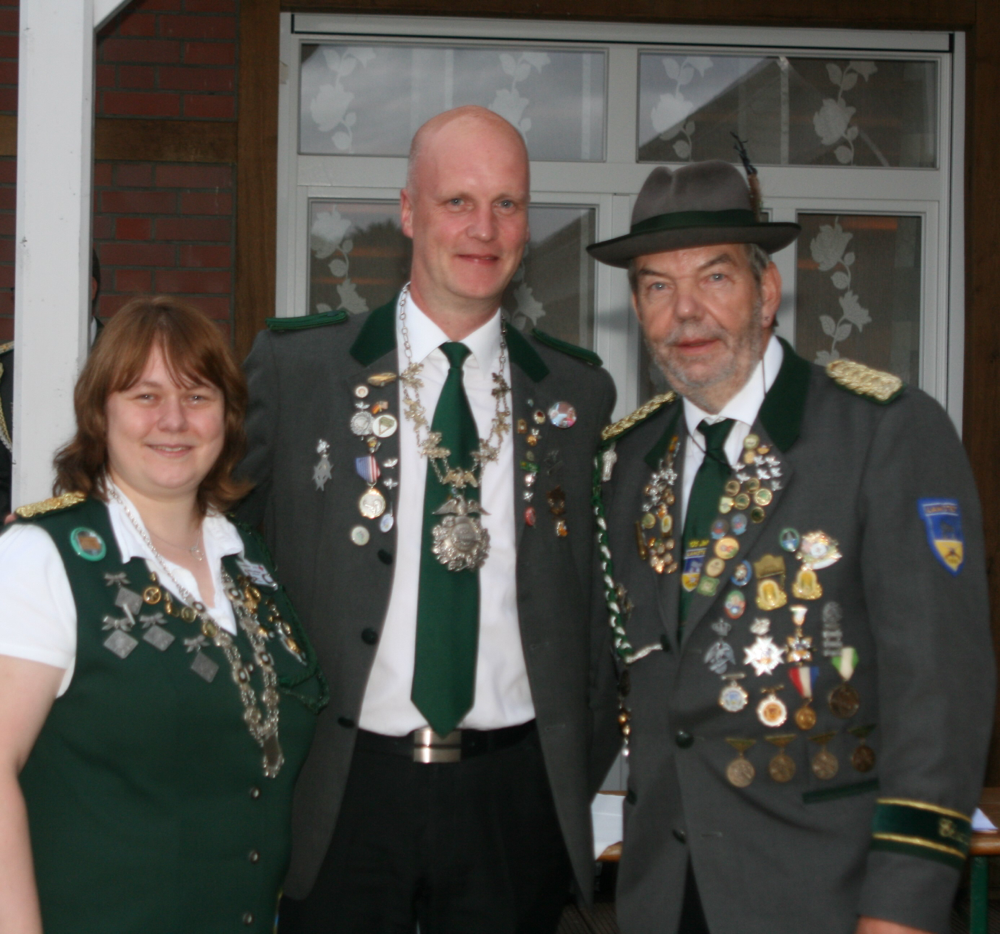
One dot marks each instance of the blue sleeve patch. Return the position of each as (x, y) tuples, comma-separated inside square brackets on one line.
[(944, 531)]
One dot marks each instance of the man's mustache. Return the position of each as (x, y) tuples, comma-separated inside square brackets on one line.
[(687, 333)]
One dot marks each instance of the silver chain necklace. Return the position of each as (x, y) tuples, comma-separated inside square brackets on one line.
[(263, 727), (460, 541)]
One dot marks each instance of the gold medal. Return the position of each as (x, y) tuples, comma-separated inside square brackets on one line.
[(844, 701), (863, 758), (824, 764), (751, 441), (732, 697), (727, 547), (771, 711), (382, 379), (732, 487), (726, 504), (741, 501), (740, 771), (805, 717), (782, 767), (371, 504), (763, 496), (714, 567), (152, 595)]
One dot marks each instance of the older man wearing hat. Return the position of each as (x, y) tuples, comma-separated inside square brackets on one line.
[(796, 587)]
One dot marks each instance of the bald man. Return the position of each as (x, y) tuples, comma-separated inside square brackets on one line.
[(423, 473)]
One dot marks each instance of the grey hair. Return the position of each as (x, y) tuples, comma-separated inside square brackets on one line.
[(757, 256)]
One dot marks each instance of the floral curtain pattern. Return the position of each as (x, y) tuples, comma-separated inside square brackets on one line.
[(359, 258), (857, 291), (793, 111), (555, 98)]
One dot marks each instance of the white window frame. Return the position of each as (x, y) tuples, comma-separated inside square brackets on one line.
[(934, 194)]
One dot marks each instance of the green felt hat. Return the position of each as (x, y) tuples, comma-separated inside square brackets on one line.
[(698, 205)]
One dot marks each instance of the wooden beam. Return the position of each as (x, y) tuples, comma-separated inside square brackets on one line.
[(981, 428), (131, 140), (863, 14), (257, 168)]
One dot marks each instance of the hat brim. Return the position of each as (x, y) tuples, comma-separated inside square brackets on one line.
[(620, 250)]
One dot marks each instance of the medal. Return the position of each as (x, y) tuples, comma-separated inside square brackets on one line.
[(799, 645), (771, 711), (742, 574), (387, 521), (726, 548), (257, 573), (719, 528), (714, 567), (863, 758), (708, 586), (608, 458), (720, 653), (361, 423), (833, 636), (361, 391), (735, 604), (818, 550), (460, 541), (658, 497), (824, 764), (740, 771), (738, 523), (371, 504), (782, 767), (843, 700), (803, 677), (789, 539), (384, 426), (732, 697), (763, 655), (322, 472), (770, 572), (360, 535), (382, 379)]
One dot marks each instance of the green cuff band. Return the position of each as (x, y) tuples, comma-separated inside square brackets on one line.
[(738, 217), (921, 829), (302, 322)]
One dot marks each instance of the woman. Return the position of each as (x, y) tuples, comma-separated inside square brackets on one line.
[(157, 696)]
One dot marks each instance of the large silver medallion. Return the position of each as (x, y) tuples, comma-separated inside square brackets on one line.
[(460, 541)]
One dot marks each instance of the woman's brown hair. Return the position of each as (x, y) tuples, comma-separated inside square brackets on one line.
[(194, 351)]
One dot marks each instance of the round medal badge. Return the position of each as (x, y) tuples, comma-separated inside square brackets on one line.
[(740, 772), (726, 548), (741, 501), (562, 415), (763, 496), (789, 539), (844, 701), (384, 426), (772, 712), (733, 698), (360, 535), (742, 574), (805, 717), (824, 765), (732, 487), (719, 528), (88, 544), (782, 767), (714, 567), (752, 485), (735, 604), (361, 423), (863, 758), (371, 504), (738, 523)]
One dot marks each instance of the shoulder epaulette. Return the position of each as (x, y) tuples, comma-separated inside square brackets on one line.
[(581, 353), (639, 415), (6, 348), (53, 504), (302, 322), (864, 381)]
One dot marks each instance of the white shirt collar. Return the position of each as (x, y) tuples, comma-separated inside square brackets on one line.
[(426, 337), (220, 536), (745, 405)]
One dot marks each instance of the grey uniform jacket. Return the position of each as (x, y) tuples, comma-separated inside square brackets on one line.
[(810, 854), (301, 391)]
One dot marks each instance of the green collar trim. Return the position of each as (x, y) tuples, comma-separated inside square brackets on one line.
[(658, 451), (785, 402), (524, 355), (377, 336), (738, 217)]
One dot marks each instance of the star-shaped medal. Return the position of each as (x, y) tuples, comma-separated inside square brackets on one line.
[(764, 655)]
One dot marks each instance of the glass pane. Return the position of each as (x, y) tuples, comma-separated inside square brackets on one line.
[(791, 111), (359, 258), (370, 100), (857, 291)]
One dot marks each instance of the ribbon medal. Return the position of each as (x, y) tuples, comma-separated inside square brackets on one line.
[(843, 699), (372, 502), (944, 531), (803, 678)]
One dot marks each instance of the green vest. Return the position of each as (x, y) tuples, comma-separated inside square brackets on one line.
[(147, 801)]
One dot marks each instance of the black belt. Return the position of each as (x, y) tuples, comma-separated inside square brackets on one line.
[(426, 747)]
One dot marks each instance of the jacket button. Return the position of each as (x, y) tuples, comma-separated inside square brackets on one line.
[(630, 796), (384, 556), (683, 739), (346, 722), (254, 792), (254, 856), (680, 836), (369, 636), (248, 918)]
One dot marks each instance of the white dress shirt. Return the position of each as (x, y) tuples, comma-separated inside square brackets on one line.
[(742, 408), (503, 695), (37, 610)]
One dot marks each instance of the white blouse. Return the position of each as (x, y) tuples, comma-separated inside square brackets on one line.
[(37, 610)]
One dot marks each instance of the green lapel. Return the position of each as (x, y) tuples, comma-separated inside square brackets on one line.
[(781, 412), (659, 450), (524, 355), (377, 336)]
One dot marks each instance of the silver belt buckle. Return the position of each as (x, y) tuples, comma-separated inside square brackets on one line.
[(428, 747)]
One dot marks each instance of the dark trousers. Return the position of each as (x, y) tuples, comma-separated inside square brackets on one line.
[(472, 847)]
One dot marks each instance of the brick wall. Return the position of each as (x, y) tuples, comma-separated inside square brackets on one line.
[(158, 227)]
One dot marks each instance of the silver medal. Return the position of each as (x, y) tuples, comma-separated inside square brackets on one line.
[(460, 541), (361, 423), (322, 472)]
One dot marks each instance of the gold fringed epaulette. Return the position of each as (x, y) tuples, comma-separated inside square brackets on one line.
[(639, 415), (864, 381), (50, 505)]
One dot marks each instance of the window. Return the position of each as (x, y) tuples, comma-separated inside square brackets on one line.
[(854, 134)]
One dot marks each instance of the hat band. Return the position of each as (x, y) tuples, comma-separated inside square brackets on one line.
[(739, 217)]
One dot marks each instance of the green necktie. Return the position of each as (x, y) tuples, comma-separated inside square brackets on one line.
[(444, 671), (703, 503)]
